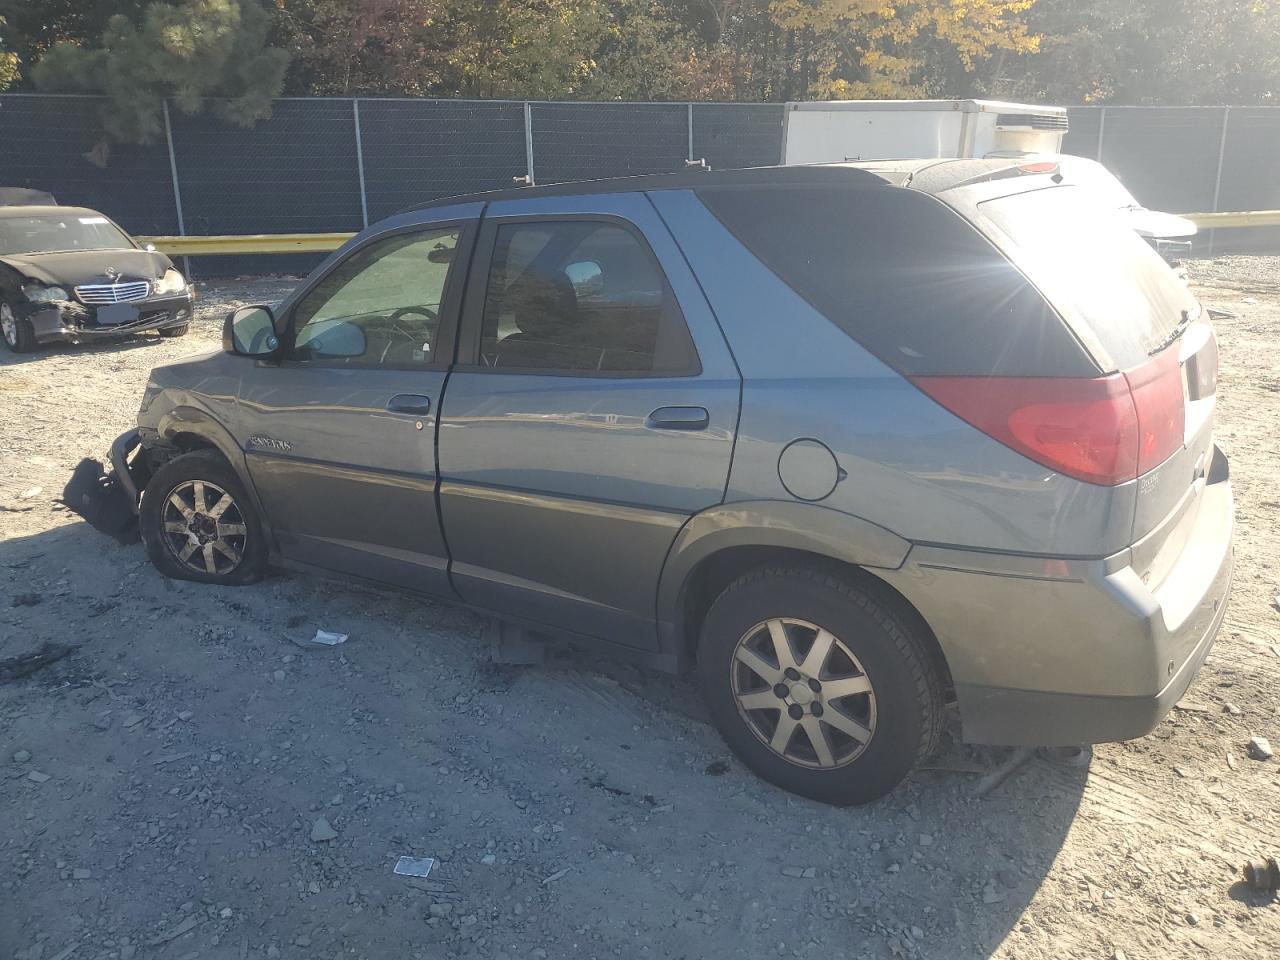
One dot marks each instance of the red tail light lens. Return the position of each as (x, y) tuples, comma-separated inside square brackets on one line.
[(1157, 396), (1106, 430)]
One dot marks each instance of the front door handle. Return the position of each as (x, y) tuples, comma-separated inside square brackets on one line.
[(678, 418), (410, 403)]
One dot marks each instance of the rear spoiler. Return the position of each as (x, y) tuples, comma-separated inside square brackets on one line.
[(25, 197), (1024, 169)]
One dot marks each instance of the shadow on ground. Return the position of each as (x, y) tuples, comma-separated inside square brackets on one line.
[(580, 807)]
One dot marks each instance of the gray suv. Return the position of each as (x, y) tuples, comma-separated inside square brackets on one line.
[(851, 450)]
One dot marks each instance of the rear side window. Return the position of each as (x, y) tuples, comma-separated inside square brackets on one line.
[(905, 276), (584, 297), (1095, 269)]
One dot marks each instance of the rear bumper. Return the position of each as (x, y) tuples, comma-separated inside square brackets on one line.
[(69, 320), (1040, 718), (1051, 652)]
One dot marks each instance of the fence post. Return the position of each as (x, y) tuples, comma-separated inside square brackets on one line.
[(177, 191), (364, 200), (1217, 183), (528, 141), (1102, 130), (690, 132)]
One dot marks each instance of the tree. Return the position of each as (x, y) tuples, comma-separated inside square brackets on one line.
[(1146, 51), (351, 47), (8, 62), (188, 52), (33, 26), (819, 49)]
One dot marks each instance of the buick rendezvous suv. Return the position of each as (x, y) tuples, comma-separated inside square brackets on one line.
[(849, 448)]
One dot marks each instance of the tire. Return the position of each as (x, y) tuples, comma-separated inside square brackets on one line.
[(202, 474), (179, 331), (17, 334), (872, 737)]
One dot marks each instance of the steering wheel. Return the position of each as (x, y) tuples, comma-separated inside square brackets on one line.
[(427, 312), (394, 319)]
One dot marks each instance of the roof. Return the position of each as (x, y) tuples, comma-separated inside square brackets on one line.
[(933, 106), (44, 210), (816, 175), (24, 195), (935, 176)]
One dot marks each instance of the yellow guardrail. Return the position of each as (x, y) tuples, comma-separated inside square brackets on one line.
[(1250, 218), (328, 242), (250, 243)]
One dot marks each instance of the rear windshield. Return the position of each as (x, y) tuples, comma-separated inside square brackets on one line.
[(1106, 280), (906, 276), (48, 234)]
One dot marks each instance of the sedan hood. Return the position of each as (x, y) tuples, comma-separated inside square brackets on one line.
[(74, 267)]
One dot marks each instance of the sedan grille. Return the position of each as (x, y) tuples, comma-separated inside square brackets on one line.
[(95, 294)]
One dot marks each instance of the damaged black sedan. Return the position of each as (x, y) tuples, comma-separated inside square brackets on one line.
[(71, 274)]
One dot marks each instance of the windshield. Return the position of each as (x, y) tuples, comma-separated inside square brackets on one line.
[(48, 233), (1100, 274)]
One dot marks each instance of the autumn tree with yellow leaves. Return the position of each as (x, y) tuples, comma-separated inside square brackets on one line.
[(848, 49)]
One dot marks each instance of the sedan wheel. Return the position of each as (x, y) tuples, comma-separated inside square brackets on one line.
[(16, 333), (803, 693), (204, 528)]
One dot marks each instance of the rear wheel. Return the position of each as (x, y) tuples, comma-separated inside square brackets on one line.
[(817, 685), (179, 331), (198, 523), (18, 335)]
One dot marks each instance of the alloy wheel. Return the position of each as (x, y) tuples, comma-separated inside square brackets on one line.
[(8, 325), (803, 693), (204, 528)]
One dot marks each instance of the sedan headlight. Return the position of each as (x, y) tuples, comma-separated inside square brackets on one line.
[(171, 282), (37, 293)]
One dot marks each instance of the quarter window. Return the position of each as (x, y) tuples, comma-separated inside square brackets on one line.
[(581, 296), (380, 307)]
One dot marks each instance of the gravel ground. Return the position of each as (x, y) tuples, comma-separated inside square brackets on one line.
[(191, 783)]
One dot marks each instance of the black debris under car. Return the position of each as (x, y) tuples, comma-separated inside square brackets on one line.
[(72, 274)]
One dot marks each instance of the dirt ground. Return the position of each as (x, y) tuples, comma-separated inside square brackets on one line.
[(160, 786)]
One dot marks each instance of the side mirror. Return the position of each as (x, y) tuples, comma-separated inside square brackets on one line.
[(587, 279), (250, 332)]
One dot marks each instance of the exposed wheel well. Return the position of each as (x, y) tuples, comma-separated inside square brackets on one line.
[(715, 573), (186, 442), (176, 446)]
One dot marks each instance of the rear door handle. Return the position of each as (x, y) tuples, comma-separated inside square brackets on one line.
[(411, 403), (678, 418)]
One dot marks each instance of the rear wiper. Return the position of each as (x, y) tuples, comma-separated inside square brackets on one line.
[(1174, 334)]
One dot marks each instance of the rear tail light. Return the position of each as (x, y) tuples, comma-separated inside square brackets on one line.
[(1106, 430), (1161, 408)]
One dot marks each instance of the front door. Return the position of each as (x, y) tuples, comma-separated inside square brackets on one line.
[(340, 436), (591, 413)]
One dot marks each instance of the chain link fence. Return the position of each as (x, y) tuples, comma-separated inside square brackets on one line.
[(336, 164)]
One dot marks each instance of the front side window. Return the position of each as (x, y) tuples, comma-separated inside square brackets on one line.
[(581, 296), (380, 307)]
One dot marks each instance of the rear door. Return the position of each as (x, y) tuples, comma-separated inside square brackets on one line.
[(591, 412)]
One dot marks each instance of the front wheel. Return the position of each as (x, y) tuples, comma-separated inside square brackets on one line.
[(178, 331), (198, 522), (817, 685), (18, 335)]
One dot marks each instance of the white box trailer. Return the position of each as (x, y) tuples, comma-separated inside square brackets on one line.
[(837, 130)]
